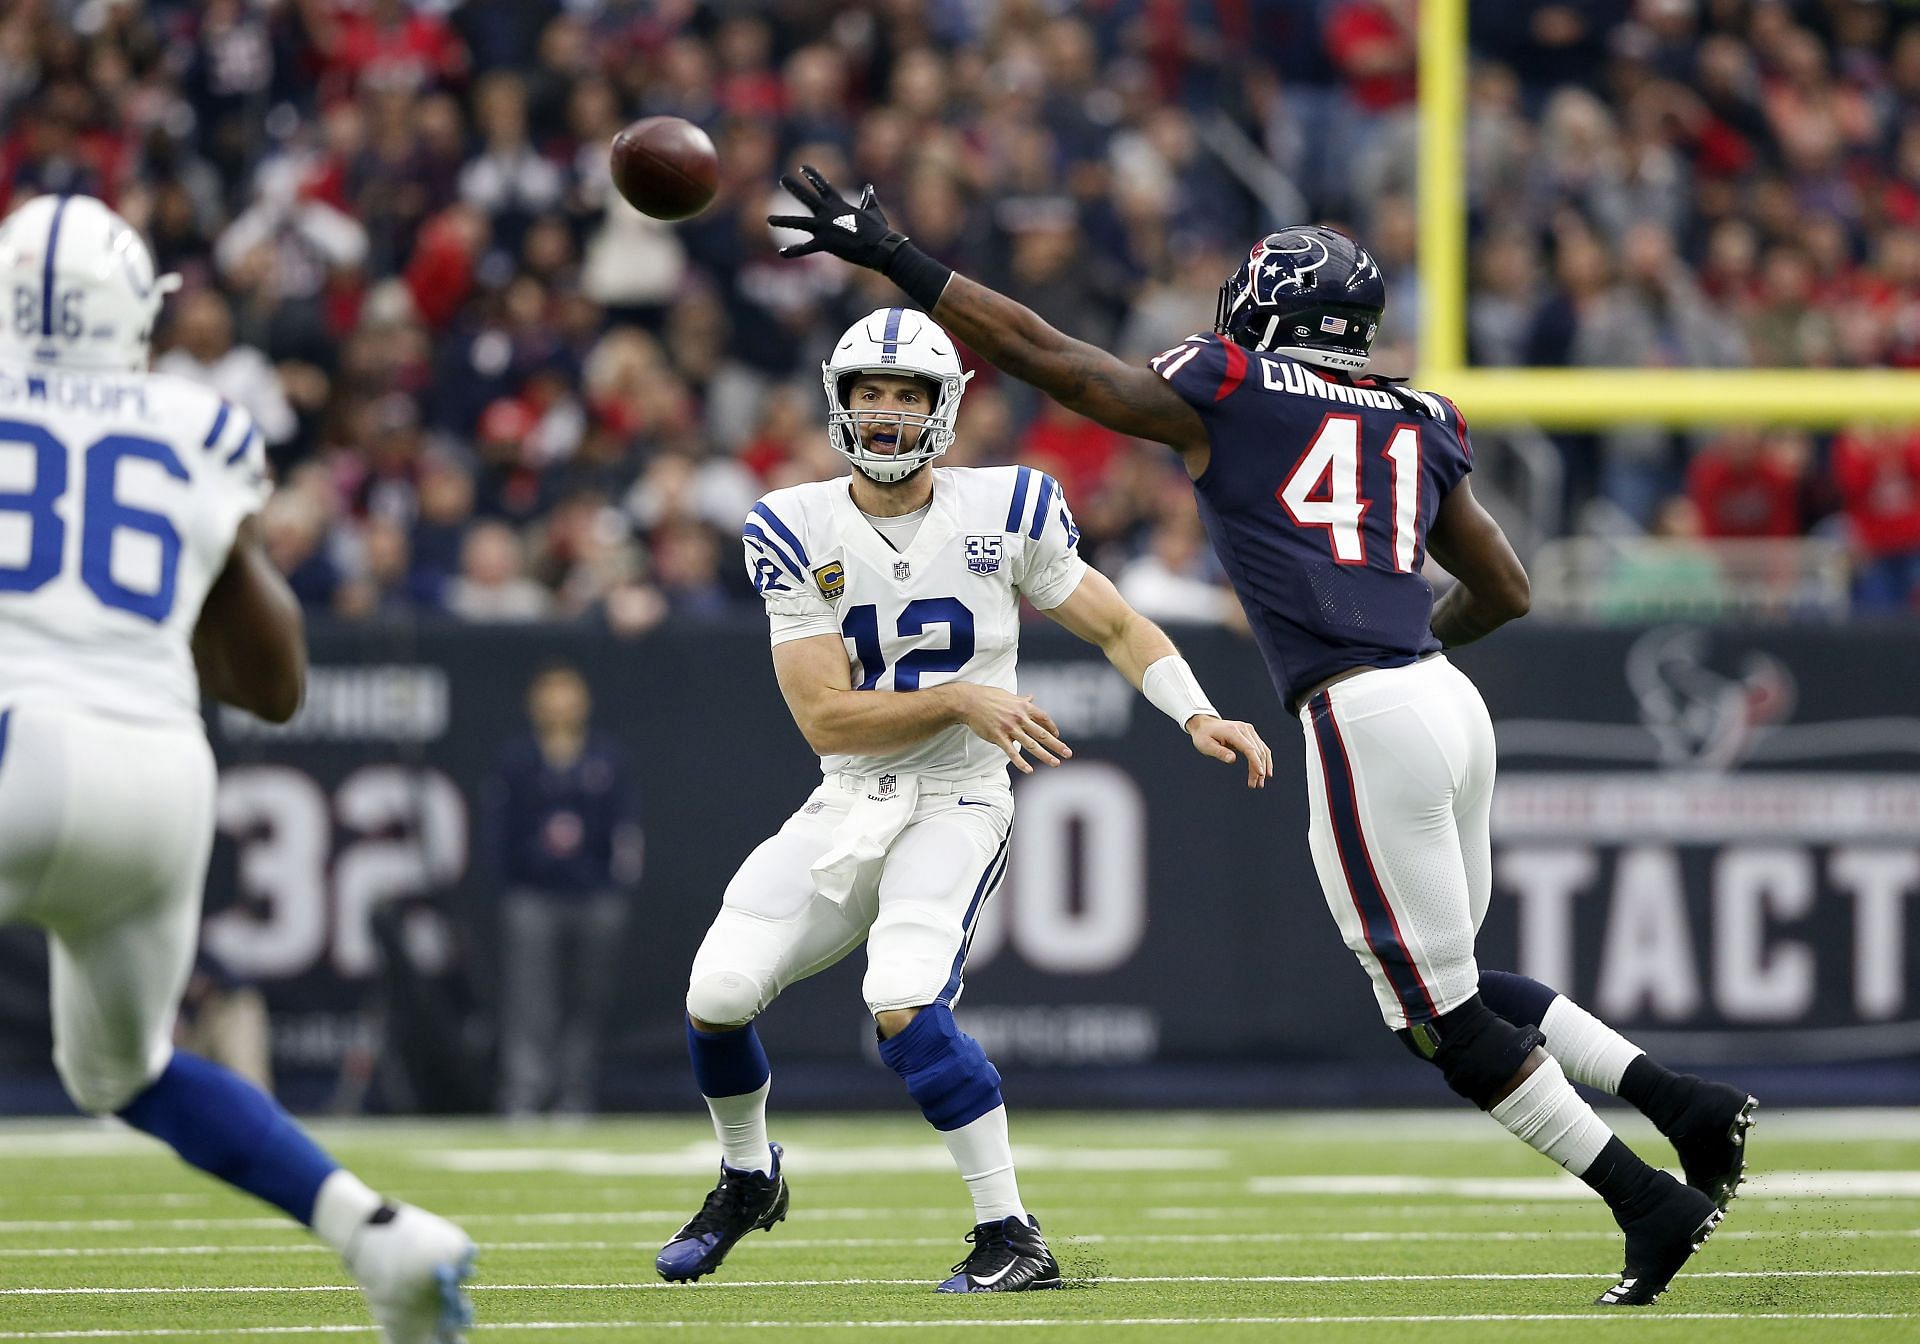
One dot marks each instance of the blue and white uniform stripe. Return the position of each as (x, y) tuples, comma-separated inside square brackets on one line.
[(1018, 519), (989, 883), (890, 338), (777, 541), (46, 275)]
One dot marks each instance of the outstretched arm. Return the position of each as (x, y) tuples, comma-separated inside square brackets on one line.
[(1143, 654), (1124, 397)]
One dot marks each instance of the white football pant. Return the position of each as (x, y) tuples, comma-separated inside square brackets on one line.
[(916, 907), (105, 829), (1400, 787)]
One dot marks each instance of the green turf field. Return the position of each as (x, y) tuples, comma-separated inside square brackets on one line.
[(1176, 1227)]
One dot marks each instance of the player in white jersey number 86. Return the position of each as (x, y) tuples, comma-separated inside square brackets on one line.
[(133, 579), (893, 596)]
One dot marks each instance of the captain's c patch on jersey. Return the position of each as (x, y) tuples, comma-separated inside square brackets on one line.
[(832, 579), (983, 554)]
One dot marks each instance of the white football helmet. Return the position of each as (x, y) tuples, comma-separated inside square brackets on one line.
[(81, 292), (894, 341)]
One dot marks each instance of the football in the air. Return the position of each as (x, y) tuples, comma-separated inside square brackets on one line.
[(665, 167)]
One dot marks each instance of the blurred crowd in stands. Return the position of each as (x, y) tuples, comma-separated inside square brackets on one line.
[(492, 389)]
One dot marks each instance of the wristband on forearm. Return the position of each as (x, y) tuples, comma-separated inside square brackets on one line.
[(1171, 688), (923, 278)]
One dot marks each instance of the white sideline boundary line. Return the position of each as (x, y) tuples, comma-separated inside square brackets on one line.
[(1070, 1240), (1034, 1323), (661, 1286)]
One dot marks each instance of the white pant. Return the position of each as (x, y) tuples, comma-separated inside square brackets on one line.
[(1400, 785), (916, 908), (105, 828)]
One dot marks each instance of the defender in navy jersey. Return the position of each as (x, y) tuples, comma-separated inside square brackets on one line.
[(1324, 492)]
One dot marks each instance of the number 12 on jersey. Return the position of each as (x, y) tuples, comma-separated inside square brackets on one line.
[(1334, 458)]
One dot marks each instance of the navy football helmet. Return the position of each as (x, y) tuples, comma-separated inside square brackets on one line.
[(1309, 292)]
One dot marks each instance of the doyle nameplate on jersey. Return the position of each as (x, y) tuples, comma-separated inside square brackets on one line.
[(983, 554), (832, 578)]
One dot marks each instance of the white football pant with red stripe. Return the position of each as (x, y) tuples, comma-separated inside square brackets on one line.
[(1400, 783)]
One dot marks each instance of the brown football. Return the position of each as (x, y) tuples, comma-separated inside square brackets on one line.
[(665, 166)]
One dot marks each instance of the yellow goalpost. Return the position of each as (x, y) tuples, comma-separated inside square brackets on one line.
[(1585, 398)]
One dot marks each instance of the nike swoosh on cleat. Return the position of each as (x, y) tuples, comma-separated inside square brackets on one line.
[(997, 1275)]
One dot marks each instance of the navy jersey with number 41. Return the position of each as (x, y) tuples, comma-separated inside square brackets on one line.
[(1318, 497)]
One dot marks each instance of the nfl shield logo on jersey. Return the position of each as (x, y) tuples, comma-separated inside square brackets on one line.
[(902, 571), (983, 554), (889, 785)]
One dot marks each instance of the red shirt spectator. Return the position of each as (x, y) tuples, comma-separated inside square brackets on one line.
[(1075, 448), (1877, 470), (1744, 486), (1373, 50)]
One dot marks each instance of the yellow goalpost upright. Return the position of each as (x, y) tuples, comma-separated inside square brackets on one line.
[(1585, 398)]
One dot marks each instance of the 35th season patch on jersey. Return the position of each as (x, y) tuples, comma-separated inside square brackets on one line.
[(983, 554)]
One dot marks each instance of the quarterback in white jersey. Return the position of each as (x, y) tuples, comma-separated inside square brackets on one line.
[(894, 599), (132, 577)]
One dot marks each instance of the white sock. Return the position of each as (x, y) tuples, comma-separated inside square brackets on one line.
[(740, 1123), (1588, 1049), (1545, 1113), (984, 1155), (342, 1206)]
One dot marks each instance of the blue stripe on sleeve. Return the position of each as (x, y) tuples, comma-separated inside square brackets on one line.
[(1047, 488), (1019, 509), (219, 423), (785, 532), (773, 549)]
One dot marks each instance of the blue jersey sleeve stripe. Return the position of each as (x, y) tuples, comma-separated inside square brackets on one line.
[(782, 530), (773, 548), (1048, 486), (246, 446), (1019, 509), (219, 424)]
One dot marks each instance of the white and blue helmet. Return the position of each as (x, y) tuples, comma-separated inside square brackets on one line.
[(80, 291), (894, 341)]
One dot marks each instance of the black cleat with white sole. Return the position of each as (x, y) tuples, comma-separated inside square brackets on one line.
[(1664, 1228), (742, 1202), (1009, 1256), (1711, 1138)]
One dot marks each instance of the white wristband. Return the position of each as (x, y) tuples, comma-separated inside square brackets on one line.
[(1171, 688)]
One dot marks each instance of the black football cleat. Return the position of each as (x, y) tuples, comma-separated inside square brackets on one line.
[(1009, 1256), (1711, 1139), (743, 1202), (1664, 1228)]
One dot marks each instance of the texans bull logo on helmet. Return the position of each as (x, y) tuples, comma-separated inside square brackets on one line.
[(1284, 265)]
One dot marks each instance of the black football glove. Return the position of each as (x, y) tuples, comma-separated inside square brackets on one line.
[(856, 233)]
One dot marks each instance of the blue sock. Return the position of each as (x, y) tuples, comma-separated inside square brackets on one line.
[(727, 1063), (945, 1069), (227, 1127), (1519, 999)]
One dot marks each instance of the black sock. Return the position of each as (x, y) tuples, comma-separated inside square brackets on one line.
[(1618, 1175), (1657, 1092)]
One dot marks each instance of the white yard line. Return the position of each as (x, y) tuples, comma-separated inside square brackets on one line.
[(1092, 1238), (1091, 1322), (710, 1286)]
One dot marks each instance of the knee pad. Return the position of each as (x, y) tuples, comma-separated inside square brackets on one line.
[(724, 999), (912, 958), (945, 1069), (103, 1087), (1521, 1000), (1476, 1050)]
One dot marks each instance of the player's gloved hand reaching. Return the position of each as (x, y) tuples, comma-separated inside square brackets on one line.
[(856, 233), (1223, 738)]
